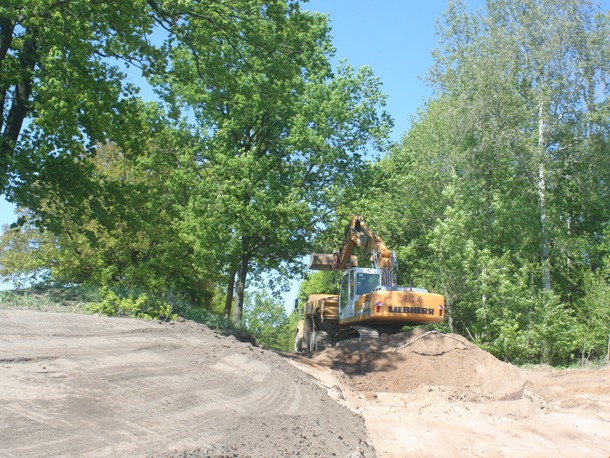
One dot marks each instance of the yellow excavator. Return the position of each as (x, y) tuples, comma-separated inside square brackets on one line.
[(369, 301)]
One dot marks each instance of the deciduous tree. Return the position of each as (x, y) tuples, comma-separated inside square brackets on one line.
[(280, 137)]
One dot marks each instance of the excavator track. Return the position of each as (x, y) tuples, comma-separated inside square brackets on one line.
[(354, 334)]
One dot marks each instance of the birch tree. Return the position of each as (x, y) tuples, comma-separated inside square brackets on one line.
[(532, 77)]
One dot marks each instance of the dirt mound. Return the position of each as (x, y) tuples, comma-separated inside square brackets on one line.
[(417, 360), (428, 394), (76, 385)]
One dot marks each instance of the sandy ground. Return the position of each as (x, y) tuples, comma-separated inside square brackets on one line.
[(434, 395), (77, 385)]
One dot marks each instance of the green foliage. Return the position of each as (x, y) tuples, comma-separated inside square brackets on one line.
[(492, 198), (211, 319), (21, 255), (321, 282), (594, 315), (140, 306), (62, 92), (230, 172), (119, 302), (266, 318), (556, 332), (271, 153), (126, 235)]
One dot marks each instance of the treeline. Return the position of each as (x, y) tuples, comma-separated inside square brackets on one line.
[(253, 156), (499, 195)]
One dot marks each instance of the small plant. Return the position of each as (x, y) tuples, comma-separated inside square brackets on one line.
[(140, 306)]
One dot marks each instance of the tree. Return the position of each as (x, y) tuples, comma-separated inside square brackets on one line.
[(492, 197), (266, 318), (321, 282), (275, 144), (532, 79), (125, 235), (64, 86), (264, 134), (61, 88), (23, 251)]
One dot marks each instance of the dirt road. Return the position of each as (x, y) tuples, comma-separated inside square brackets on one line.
[(77, 385)]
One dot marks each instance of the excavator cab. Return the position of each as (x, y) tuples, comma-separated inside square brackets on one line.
[(355, 283)]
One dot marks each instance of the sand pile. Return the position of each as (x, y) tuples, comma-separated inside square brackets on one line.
[(76, 385), (415, 360)]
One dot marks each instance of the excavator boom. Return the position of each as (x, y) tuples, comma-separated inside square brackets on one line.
[(358, 234)]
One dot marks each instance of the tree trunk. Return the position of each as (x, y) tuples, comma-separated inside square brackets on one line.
[(230, 290), (7, 27), (242, 273), (541, 190), (19, 106), (544, 243)]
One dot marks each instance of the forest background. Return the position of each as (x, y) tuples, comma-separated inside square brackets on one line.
[(259, 150)]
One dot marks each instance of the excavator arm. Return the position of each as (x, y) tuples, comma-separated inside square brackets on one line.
[(358, 234)]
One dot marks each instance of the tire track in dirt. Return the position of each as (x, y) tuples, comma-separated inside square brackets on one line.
[(74, 385)]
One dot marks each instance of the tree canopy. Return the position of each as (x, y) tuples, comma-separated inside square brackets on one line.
[(498, 194), (231, 170)]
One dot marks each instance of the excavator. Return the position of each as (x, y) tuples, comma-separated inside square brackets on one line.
[(369, 302)]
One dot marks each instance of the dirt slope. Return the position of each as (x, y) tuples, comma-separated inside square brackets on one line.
[(77, 385), (428, 394)]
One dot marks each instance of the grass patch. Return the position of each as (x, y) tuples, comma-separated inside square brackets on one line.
[(49, 299), (118, 302)]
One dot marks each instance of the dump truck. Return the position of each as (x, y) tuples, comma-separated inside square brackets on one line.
[(369, 302)]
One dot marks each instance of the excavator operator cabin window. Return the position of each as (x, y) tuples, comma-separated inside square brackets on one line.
[(366, 283), (352, 288)]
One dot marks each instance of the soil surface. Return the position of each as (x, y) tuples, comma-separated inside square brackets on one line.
[(429, 394), (78, 385)]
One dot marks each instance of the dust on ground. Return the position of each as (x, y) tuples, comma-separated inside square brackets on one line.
[(429, 394), (81, 385)]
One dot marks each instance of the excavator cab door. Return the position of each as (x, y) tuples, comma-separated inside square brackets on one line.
[(347, 294), (355, 283)]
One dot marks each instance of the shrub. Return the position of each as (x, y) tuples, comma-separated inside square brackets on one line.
[(136, 306)]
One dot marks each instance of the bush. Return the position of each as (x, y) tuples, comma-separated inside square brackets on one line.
[(140, 306)]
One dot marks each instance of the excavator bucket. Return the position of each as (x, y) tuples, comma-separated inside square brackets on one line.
[(320, 261)]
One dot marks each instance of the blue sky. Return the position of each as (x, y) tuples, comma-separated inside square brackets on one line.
[(395, 38)]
